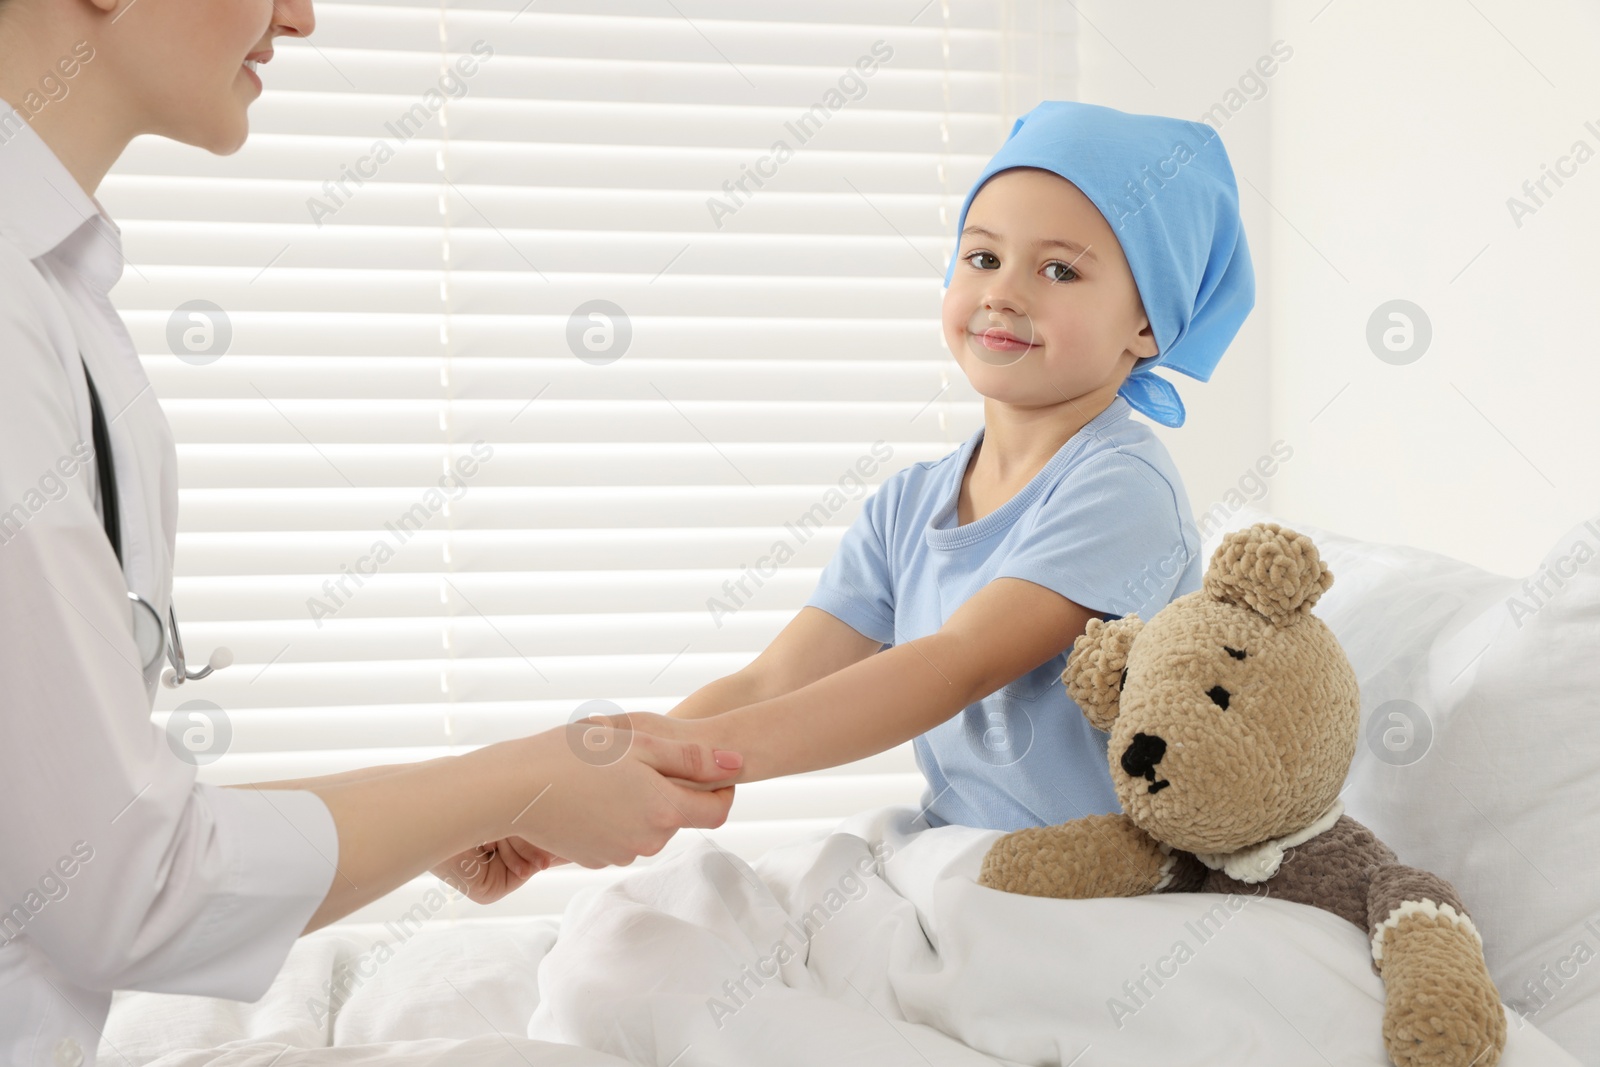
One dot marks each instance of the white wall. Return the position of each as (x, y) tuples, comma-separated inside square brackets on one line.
[(1387, 147), (1177, 59)]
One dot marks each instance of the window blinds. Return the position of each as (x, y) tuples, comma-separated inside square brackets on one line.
[(534, 353)]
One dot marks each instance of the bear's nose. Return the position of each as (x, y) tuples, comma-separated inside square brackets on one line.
[(1139, 759)]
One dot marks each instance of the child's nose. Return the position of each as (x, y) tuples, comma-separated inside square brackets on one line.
[(1002, 298)]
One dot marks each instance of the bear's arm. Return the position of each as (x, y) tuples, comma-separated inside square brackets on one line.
[(1397, 891), (1440, 1005), (1095, 856), (1182, 873)]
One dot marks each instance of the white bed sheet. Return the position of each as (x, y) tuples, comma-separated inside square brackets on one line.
[(912, 964)]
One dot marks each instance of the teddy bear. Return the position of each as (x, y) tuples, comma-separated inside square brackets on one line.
[(1234, 715)]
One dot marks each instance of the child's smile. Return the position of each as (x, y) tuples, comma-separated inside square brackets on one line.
[(1000, 338)]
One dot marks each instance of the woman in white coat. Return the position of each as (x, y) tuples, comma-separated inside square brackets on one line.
[(118, 870)]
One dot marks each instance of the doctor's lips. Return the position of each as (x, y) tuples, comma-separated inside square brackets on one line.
[(253, 61)]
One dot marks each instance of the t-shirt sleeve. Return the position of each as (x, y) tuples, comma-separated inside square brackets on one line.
[(1109, 537), (856, 586)]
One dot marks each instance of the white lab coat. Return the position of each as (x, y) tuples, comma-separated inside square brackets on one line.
[(117, 870)]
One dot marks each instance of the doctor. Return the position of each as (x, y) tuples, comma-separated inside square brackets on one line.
[(118, 870)]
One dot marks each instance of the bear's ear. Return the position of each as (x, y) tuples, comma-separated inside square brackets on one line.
[(1097, 667), (1270, 569)]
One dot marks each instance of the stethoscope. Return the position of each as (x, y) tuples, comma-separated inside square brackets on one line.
[(148, 634)]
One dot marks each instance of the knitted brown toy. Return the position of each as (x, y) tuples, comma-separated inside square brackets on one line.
[(1234, 715)]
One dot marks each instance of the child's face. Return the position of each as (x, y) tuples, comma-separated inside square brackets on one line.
[(1042, 307)]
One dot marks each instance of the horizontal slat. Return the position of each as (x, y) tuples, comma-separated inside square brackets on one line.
[(460, 633), (711, 424), (851, 212), (625, 679), (828, 796), (738, 43), (259, 249), (488, 507), (521, 338), (529, 291), (576, 122), (963, 14), (256, 466), (357, 162), (407, 75), (382, 376), (465, 593), (323, 552)]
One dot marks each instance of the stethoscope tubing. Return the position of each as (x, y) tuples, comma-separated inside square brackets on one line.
[(170, 636)]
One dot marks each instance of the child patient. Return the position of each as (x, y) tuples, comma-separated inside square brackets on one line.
[(1095, 246)]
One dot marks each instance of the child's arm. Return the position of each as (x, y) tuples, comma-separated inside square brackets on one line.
[(812, 646), (1007, 628)]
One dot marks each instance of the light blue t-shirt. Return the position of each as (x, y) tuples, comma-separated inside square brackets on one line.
[(1106, 523)]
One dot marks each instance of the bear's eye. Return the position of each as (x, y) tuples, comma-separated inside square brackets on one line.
[(1236, 653), (1219, 696)]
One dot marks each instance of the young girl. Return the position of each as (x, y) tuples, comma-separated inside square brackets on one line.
[(1094, 246)]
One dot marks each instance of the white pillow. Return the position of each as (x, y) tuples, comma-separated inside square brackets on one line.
[(1480, 758)]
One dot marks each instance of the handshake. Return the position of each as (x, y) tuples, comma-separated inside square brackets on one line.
[(598, 792)]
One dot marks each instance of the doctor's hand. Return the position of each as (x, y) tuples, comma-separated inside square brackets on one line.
[(599, 795), (487, 872), (592, 794)]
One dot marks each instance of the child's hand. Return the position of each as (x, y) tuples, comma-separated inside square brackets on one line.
[(487, 872)]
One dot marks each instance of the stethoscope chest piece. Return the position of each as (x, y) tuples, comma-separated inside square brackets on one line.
[(151, 640)]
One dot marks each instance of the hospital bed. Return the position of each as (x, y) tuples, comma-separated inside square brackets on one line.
[(868, 941)]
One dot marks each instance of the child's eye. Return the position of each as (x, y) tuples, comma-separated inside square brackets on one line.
[(1058, 271), (982, 260)]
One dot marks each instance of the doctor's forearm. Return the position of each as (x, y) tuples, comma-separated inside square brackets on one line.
[(393, 827), (859, 711), (360, 774)]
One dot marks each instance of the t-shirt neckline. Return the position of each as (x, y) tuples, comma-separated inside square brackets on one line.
[(1001, 518)]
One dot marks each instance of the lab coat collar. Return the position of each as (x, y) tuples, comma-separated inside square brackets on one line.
[(43, 208)]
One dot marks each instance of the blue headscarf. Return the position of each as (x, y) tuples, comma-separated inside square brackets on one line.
[(1167, 189)]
